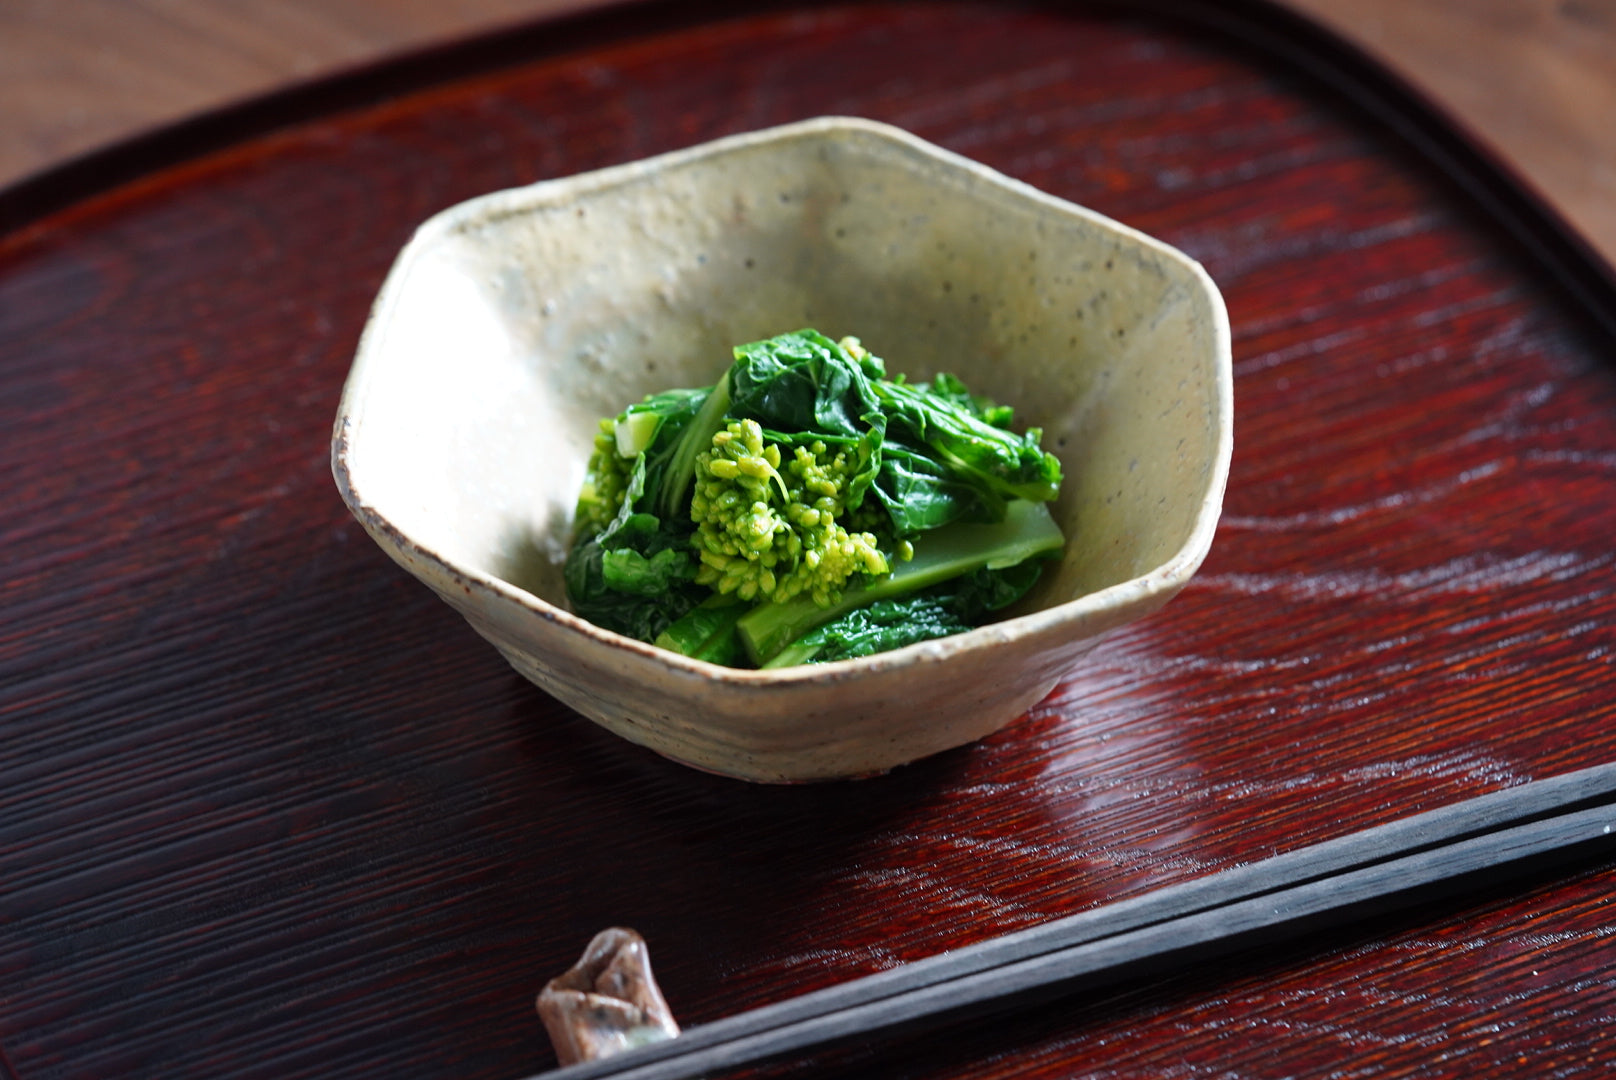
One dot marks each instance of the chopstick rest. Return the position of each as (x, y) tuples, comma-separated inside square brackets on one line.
[(607, 1002)]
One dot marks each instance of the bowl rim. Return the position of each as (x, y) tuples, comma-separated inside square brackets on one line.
[(449, 578)]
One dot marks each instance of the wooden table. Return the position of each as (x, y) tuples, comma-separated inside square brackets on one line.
[(269, 809)]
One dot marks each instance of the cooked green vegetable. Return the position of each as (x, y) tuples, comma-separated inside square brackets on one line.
[(880, 625), (806, 509), (772, 529)]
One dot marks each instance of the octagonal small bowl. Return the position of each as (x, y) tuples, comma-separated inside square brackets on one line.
[(511, 323)]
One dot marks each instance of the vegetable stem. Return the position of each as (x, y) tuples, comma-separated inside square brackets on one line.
[(696, 437), (1027, 531), (706, 632)]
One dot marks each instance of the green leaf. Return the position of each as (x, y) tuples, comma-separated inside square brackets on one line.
[(921, 494), (998, 460), (636, 575), (941, 611), (985, 409), (804, 385)]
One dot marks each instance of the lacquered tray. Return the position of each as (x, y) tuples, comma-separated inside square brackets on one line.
[(269, 809)]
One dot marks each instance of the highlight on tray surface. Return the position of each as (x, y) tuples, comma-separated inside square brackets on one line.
[(806, 508)]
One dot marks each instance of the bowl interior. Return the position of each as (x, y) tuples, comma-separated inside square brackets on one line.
[(513, 323)]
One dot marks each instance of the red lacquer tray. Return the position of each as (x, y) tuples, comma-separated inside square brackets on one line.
[(269, 809)]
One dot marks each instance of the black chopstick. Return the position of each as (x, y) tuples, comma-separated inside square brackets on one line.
[(1326, 884)]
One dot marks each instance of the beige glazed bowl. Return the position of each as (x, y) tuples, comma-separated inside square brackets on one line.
[(511, 323)]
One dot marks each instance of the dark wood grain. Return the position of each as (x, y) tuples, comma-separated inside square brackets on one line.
[(268, 809), (1451, 851), (1531, 78)]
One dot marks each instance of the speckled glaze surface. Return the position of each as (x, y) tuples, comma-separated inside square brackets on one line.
[(510, 324)]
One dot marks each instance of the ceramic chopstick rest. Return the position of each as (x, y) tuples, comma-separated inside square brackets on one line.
[(607, 1002)]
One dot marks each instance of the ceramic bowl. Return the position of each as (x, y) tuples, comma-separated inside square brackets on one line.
[(511, 323)]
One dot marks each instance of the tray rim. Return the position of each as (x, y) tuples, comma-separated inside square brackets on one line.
[(1272, 33)]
